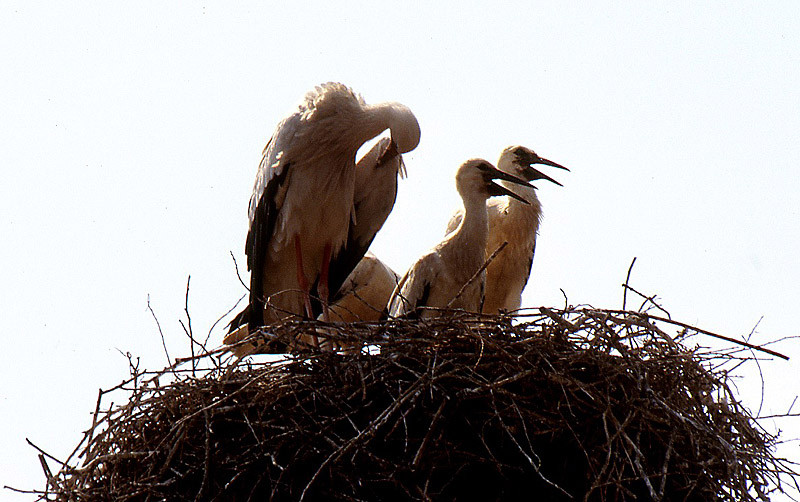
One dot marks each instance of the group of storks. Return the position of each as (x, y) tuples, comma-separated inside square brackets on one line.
[(314, 212)]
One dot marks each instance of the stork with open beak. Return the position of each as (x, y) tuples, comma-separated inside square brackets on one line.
[(516, 223), (303, 201), (450, 276)]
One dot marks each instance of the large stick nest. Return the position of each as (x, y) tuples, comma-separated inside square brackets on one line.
[(575, 404)]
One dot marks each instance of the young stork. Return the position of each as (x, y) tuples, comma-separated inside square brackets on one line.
[(303, 200), (441, 278), (372, 197), (365, 293), (516, 223), (362, 297)]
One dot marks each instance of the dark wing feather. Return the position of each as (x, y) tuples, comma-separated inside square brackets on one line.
[(256, 247), (530, 262), (263, 213), (239, 319), (483, 296), (413, 290), (421, 302), (415, 299)]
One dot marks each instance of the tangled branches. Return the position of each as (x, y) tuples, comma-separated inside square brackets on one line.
[(574, 404)]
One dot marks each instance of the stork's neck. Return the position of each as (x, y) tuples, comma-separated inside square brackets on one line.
[(393, 116), (470, 238), (374, 121), (528, 193)]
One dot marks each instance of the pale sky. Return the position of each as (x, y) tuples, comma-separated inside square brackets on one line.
[(132, 134)]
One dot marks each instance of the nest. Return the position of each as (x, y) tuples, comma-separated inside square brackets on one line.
[(574, 404)]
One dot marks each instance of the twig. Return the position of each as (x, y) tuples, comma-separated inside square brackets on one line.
[(205, 342), (758, 365), (188, 330), (478, 273), (368, 431), (236, 266), (650, 299), (427, 437), (709, 333), (44, 453), (158, 324), (627, 281)]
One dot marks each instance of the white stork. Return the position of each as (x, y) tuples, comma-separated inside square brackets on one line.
[(516, 223), (303, 200), (365, 293), (441, 278), (374, 196), (363, 296)]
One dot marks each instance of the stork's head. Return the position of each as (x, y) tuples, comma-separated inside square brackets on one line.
[(379, 169), (404, 127), (476, 177), (519, 161)]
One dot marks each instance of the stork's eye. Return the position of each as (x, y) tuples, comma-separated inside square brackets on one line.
[(519, 151)]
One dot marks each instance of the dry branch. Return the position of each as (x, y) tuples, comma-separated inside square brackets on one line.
[(565, 404)]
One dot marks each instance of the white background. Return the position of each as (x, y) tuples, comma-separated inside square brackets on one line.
[(131, 136)]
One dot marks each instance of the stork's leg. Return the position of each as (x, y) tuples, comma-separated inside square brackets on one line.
[(303, 283), (301, 276), (324, 292)]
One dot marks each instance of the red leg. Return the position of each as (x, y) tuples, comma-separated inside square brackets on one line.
[(301, 276), (303, 283), (324, 293)]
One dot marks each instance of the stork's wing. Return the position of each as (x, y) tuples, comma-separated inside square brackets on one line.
[(372, 205), (454, 222), (366, 292), (265, 204), (530, 262), (274, 160), (414, 288)]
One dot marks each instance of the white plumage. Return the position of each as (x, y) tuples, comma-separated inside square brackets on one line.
[(373, 199), (303, 199), (517, 224), (362, 297), (441, 278), (365, 293)]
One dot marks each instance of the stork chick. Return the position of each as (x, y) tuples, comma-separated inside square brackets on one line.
[(445, 277), (362, 297), (365, 293), (516, 223)]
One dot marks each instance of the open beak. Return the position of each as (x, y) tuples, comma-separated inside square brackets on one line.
[(495, 189), (534, 174)]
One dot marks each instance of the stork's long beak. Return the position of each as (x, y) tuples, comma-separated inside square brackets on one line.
[(389, 151), (534, 174), (495, 189)]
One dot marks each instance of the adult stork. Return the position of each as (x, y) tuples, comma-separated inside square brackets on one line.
[(516, 223), (374, 195), (450, 274), (303, 200)]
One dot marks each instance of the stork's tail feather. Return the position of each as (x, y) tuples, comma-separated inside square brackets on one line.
[(239, 319)]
